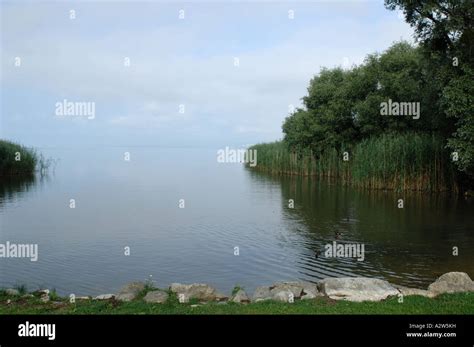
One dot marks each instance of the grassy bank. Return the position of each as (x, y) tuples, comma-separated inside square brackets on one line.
[(396, 162), (16, 159), (460, 303)]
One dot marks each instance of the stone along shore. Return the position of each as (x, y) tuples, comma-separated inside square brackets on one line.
[(355, 289)]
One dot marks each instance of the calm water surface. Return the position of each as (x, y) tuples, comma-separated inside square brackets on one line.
[(135, 204)]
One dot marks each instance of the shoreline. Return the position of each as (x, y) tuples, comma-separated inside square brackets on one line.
[(330, 295)]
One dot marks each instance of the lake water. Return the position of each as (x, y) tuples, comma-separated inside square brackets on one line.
[(136, 204)]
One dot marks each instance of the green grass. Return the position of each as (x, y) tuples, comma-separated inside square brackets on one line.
[(21, 289), (459, 303), (398, 162)]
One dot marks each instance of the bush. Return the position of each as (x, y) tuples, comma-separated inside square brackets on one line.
[(16, 159)]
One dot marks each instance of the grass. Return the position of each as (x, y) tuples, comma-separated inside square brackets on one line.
[(21, 289), (398, 162), (54, 295), (18, 160), (459, 303)]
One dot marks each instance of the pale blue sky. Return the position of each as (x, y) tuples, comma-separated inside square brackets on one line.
[(173, 62)]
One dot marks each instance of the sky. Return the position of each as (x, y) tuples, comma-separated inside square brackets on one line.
[(227, 74)]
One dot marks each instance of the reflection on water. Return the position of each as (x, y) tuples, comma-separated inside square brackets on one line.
[(12, 187), (135, 204), (410, 246)]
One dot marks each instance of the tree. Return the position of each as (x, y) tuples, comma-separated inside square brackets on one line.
[(343, 106), (458, 97), (445, 30), (442, 26)]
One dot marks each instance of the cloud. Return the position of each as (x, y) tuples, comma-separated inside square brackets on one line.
[(188, 62)]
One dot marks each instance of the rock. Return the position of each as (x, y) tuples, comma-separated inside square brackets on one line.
[(283, 295), (221, 297), (300, 290), (405, 291), (262, 293), (240, 297), (199, 291), (357, 289), (156, 297), (311, 295), (11, 291), (310, 291), (133, 287), (296, 288), (83, 297), (452, 282), (126, 297), (104, 297), (130, 291), (44, 298), (43, 295)]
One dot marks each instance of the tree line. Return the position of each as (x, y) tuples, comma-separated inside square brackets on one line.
[(344, 107)]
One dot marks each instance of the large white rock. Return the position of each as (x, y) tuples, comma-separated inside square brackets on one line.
[(296, 288), (262, 293), (452, 282), (300, 290), (104, 297), (310, 291), (156, 297), (357, 289), (198, 291), (220, 297), (45, 298), (83, 297), (283, 295), (240, 297), (130, 291)]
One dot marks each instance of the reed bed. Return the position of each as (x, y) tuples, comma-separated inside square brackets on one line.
[(27, 163), (398, 162)]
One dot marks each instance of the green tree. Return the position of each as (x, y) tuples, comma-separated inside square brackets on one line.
[(343, 106), (397, 74), (458, 97), (331, 109), (445, 30)]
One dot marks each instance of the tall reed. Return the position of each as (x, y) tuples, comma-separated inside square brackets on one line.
[(17, 160), (390, 161)]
